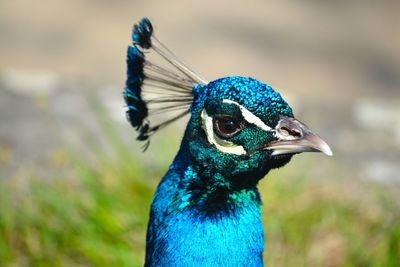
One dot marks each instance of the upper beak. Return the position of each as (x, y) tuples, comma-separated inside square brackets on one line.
[(295, 137)]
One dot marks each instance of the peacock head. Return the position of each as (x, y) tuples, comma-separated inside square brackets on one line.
[(242, 128), (239, 128)]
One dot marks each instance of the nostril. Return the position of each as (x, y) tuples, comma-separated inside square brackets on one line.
[(287, 131), (296, 133)]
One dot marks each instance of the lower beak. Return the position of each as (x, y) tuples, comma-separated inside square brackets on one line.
[(295, 137)]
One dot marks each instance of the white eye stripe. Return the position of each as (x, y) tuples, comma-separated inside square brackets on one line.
[(250, 117), (222, 145)]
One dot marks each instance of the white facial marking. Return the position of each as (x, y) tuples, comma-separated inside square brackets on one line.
[(250, 117), (222, 145)]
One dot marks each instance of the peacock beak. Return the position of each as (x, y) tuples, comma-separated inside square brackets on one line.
[(294, 136)]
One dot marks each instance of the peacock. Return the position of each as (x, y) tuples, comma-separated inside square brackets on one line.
[(206, 209)]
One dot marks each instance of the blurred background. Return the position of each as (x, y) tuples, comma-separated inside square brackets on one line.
[(75, 188)]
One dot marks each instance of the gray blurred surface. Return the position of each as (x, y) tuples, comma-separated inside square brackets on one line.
[(336, 62)]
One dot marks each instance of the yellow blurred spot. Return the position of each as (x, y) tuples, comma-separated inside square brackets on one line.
[(5, 154), (42, 101), (59, 157)]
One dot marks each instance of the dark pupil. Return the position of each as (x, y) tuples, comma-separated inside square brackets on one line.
[(227, 126)]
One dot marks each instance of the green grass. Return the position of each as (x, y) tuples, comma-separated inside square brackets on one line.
[(329, 223), (98, 218), (95, 214)]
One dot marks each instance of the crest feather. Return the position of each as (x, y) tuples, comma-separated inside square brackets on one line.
[(152, 89)]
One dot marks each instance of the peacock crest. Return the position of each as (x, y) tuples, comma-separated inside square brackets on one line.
[(155, 95)]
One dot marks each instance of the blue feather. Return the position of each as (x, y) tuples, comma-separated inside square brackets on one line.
[(137, 109), (142, 32), (180, 233)]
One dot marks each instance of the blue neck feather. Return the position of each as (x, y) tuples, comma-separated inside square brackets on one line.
[(197, 221)]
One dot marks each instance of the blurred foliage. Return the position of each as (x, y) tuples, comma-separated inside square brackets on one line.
[(96, 215), (333, 222), (99, 217)]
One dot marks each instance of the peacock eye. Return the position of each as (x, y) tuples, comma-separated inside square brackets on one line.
[(226, 126)]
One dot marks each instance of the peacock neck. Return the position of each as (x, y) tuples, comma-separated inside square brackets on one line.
[(198, 220), (208, 195)]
